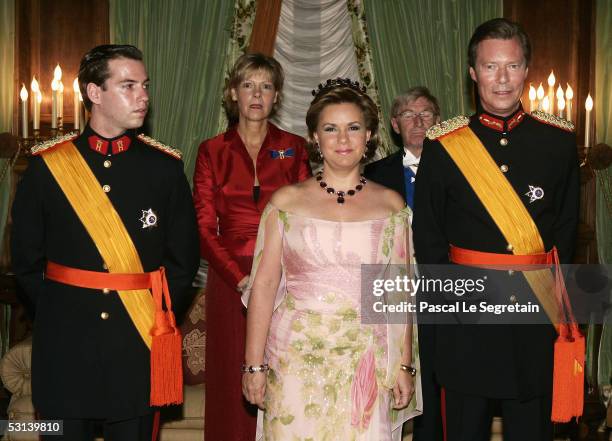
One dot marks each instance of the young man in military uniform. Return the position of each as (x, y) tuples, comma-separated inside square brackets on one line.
[(104, 234), (506, 184)]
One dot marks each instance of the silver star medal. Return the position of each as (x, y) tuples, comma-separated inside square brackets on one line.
[(149, 218), (534, 193)]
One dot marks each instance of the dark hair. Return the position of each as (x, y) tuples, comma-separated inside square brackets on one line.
[(245, 65), (413, 94), (94, 65), (339, 94), (499, 29)]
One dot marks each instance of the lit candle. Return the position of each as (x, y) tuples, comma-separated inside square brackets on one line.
[(37, 114), (54, 87), (57, 78), (569, 95), (35, 103), (559, 99), (24, 111), (77, 104), (33, 89), (532, 98), (560, 107), (546, 105), (540, 96), (588, 105), (551, 90), (60, 102), (57, 73)]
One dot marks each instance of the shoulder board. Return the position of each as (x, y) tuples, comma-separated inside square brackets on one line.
[(50, 143), (159, 146), (445, 127), (553, 120)]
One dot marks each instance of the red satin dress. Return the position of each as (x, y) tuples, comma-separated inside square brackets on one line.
[(228, 219)]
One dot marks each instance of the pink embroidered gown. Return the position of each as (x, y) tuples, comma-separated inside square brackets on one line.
[(330, 375)]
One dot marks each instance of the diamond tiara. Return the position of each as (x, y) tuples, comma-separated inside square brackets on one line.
[(345, 82)]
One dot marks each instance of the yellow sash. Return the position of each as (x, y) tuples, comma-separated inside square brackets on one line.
[(105, 227), (504, 206)]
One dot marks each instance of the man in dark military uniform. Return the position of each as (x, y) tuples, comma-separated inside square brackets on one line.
[(414, 111), (510, 366), (89, 360)]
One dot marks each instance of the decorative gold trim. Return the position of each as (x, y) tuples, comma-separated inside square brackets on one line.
[(39, 148), (553, 120), (159, 146), (445, 127)]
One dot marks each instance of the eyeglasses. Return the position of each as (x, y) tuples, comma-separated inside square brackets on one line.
[(425, 115)]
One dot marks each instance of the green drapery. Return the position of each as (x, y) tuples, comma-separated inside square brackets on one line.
[(7, 54), (603, 115), (363, 53), (240, 36), (7, 49), (424, 42), (184, 45)]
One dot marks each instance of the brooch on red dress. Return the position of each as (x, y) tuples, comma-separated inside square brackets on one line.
[(282, 154)]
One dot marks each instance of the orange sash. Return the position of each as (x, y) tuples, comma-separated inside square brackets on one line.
[(518, 228), (104, 225)]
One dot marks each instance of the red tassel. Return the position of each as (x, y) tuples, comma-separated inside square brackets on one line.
[(166, 365), (568, 375), (166, 349)]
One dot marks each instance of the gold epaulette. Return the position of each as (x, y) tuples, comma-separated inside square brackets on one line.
[(50, 143), (553, 120), (159, 146), (445, 127)]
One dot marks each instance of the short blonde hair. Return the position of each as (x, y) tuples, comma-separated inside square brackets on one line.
[(244, 66)]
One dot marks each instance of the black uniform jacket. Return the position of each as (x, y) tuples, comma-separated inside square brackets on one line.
[(84, 365), (388, 171), (498, 361)]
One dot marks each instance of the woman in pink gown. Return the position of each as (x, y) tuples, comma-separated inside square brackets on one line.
[(311, 361)]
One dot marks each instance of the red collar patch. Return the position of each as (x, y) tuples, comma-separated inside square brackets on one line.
[(515, 120), (100, 145), (499, 124)]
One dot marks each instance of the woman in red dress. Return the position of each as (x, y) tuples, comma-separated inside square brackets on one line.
[(236, 173)]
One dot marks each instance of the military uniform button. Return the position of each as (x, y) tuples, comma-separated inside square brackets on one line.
[(510, 272), (509, 247), (106, 188), (503, 142), (105, 290), (104, 315), (105, 266), (513, 298), (504, 168), (107, 164)]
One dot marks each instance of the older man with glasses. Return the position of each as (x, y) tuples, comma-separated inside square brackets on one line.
[(414, 111)]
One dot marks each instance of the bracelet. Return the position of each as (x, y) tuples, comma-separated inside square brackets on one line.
[(409, 369), (252, 369)]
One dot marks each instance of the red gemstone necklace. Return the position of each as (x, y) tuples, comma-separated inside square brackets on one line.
[(340, 194)]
